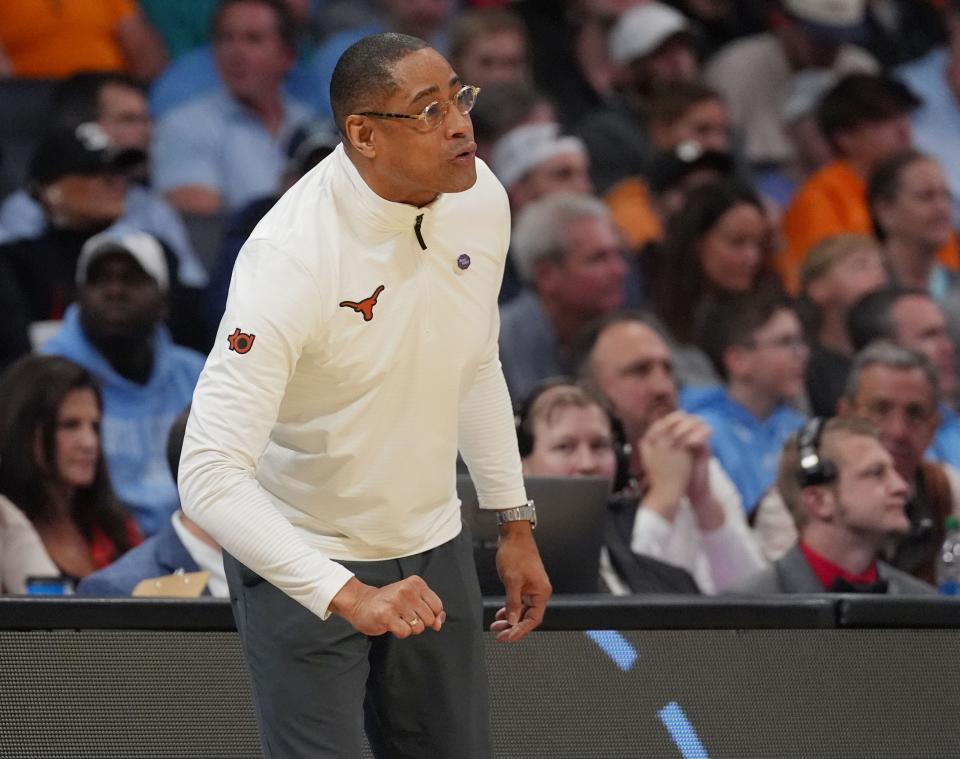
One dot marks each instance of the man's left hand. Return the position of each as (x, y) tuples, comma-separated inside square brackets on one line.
[(525, 580)]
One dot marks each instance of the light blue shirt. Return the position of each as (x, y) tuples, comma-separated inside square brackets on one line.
[(213, 141), (936, 123), (946, 445), (21, 218), (195, 73), (137, 418), (748, 448)]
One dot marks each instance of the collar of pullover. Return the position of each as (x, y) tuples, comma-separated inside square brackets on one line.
[(379, 213)]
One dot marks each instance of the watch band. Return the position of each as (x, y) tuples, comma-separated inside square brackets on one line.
[(527, 512)]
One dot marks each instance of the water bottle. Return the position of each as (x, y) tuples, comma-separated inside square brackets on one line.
[(948, 562)]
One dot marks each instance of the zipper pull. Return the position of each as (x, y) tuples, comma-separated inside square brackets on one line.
[(416, 229)]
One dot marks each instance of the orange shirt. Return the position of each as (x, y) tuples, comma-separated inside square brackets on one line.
[(56, 38), (632, 210), (832, 201)]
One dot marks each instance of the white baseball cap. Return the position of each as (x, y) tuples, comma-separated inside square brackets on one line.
[(142, 247), (643, 28), (836, 13), (525, 147)]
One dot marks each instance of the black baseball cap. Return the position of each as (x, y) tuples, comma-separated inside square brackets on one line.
[(84, 149), (670, 168)]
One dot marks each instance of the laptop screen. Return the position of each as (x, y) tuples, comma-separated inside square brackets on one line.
[(570, 517)]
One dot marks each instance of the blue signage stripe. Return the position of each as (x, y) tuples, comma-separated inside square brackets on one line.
[(614, 645), (682, 732)]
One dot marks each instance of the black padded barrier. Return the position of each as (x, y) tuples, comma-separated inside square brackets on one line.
[(673, 677)]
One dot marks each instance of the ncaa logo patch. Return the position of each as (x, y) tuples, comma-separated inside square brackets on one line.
[(240, 342)]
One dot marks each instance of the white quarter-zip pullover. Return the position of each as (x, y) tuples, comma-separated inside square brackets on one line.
[(326, 425)]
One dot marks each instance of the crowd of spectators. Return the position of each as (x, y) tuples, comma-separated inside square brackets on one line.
[(734, 252)]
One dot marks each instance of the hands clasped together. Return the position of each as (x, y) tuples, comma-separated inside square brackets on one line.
[(675, 452)]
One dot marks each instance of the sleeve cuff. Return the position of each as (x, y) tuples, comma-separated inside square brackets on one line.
[(338, 576), (649, 530), (507, 499)]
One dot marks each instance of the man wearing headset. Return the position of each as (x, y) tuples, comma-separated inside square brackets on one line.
[(565, 430), (843, 490), (896, 389)]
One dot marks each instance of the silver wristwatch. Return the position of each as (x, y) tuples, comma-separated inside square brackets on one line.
[(527, 512)]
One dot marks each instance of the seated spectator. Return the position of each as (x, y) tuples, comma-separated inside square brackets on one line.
[(688, 512), (55, 40), (181, 546), (653, 44), (846, 497), (910, 206), (912, 319), (488, 46), (936, 123), (836, 274), (115, 330), (78, 177), (895, 389), (195, 72), (53, 471), (534, 160), (684, 121), (689, 112), (118, 105), (757, 345), (570, 253), (866, 119), (717, 244), (223, 149), (753, 73), (563, 430)]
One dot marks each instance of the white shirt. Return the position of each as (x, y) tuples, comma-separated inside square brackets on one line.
[(207, 558), (719, 559), (330, 436)]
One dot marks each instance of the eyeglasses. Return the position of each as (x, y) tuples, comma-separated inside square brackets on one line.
[(434, 114)]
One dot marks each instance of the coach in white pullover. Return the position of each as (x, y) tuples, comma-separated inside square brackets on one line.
[(357, 351)]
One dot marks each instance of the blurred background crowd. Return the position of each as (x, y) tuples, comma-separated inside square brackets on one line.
[(730, 217)]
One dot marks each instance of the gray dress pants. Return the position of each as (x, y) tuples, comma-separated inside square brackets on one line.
[(318, 684)]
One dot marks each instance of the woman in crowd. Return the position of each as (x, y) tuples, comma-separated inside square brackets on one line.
[(718, 244), (911, 209), (52, 469)]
